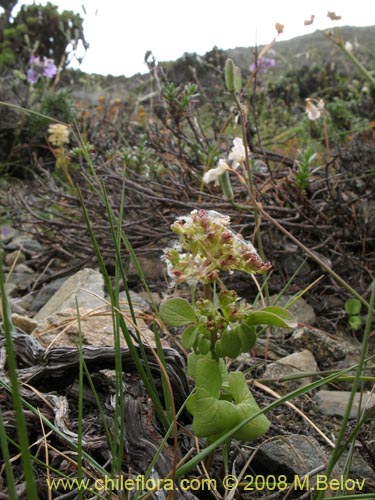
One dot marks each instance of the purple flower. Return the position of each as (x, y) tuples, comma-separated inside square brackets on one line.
[(262, 64), (39, 68)]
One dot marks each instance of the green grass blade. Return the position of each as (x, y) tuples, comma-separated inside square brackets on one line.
[(21, 427), (80, 402), (140, 369), (11, 490)]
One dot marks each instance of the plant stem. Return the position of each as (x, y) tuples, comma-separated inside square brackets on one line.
[(250, 180)]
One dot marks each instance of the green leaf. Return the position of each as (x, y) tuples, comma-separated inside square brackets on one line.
[(211, 415), (189, 337), (230, 344), (272, 316), (247, 336), (355, 322), (214, 415), (204, 345), (192, 362), (246, 406), (353, 307), (219, 349), (177, 312)]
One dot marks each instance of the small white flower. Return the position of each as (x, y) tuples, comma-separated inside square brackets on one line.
[(237, 154), (214, 173), (314, 108)]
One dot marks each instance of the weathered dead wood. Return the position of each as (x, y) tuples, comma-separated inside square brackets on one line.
[(57, 369)]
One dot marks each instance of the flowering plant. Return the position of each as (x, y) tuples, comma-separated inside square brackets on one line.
[(263, 64), (39, 68), (314, 108), (220, 174), (58, 138), (219, 325)]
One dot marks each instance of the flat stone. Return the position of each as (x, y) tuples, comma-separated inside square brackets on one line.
[(293, 455), (96, 327), (295, 363), (45, 293), (23, 269), (24, 242), (24, 323), (137, 300), (359, 467), (336, 402), (81, 287), (296, 455)]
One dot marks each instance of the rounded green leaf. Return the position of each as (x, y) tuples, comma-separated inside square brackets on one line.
[(213, 417), (231, 344), (189, 337), (204, 345), (219, 349), (353, 307), (177, 312), (247, 336), (355, 322), (272, 316), (246, 406)]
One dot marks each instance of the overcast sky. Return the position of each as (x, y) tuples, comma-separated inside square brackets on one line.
[(121, 31)]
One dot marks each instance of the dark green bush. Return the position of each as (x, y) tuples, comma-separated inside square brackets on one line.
[(41, 27)]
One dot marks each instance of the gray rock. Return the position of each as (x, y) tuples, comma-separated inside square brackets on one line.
[(15, 257), (77, 287), (24, 242), (297, 455), (45, 293), (359, 467), (336, 402), (325, 349), (7, 233), (295, 363), (21, 278), (301, 310), (95, 328), (291, 263), (23, 269), (138, 302), (293, 455)]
